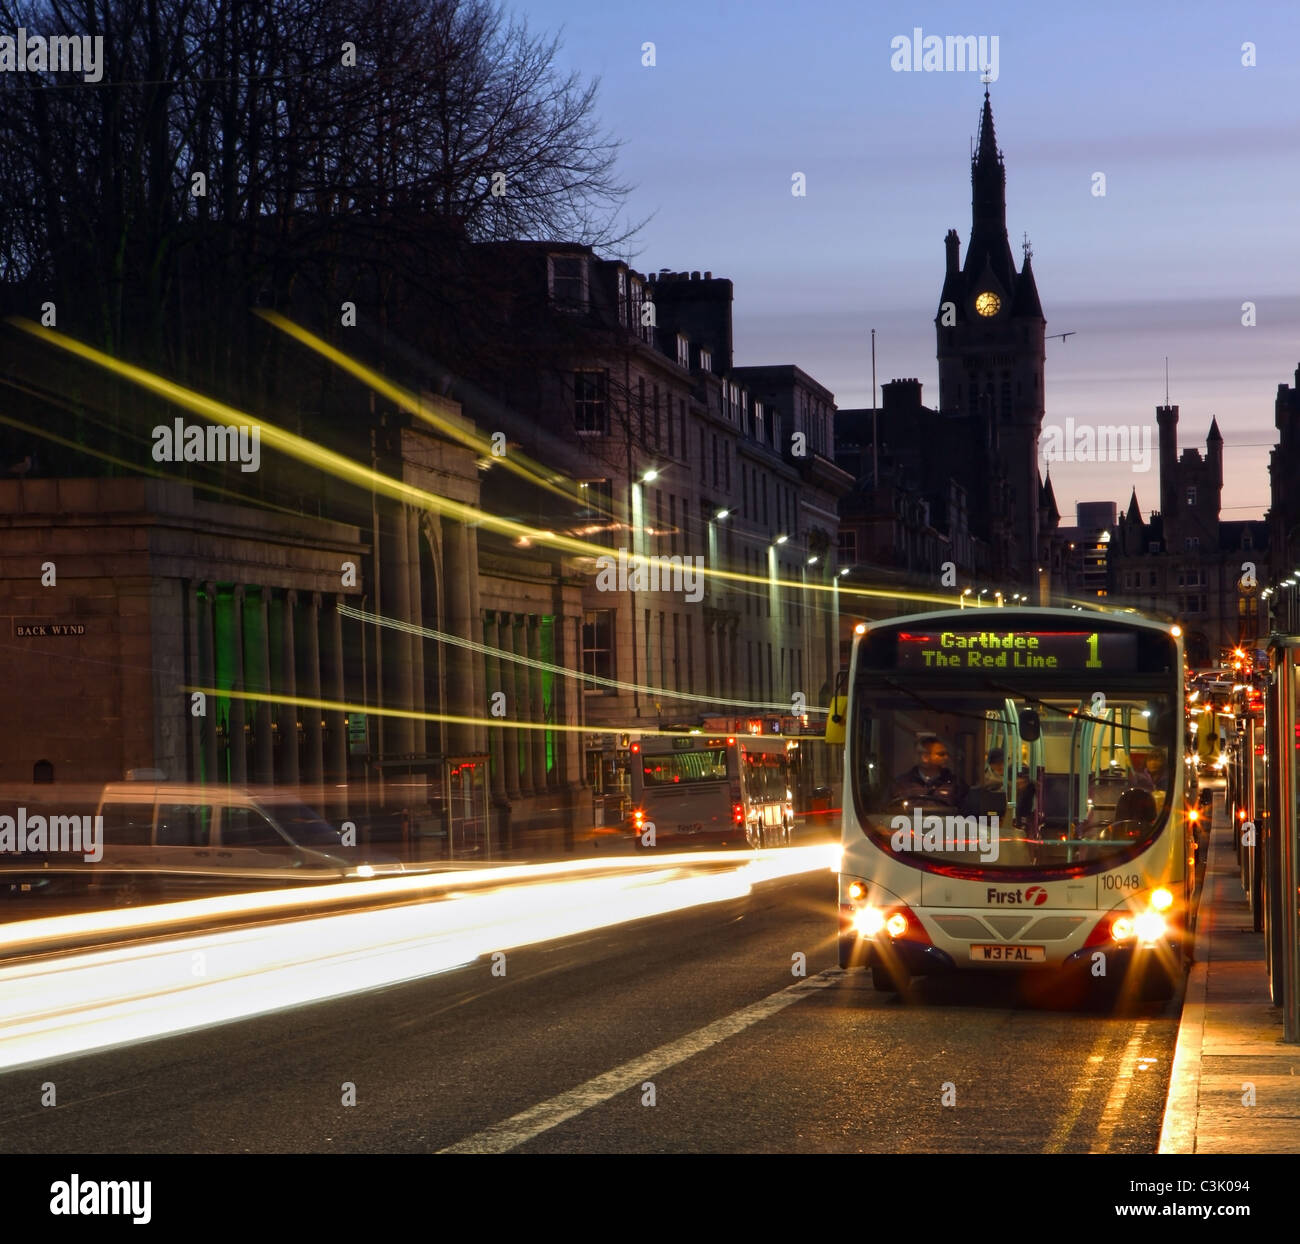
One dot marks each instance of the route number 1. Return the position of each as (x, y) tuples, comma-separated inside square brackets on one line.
[(1094, 661)]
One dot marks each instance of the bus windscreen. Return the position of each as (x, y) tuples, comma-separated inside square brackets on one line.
[(674, 768)]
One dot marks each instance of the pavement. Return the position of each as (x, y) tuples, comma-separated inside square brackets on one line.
[(1230, 1037)]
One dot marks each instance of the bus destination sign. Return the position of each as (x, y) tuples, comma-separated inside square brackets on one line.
[(1048, 651)]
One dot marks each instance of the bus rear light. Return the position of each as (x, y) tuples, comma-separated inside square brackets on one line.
[(738, 813)]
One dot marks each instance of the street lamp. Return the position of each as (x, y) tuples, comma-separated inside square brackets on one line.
[(961, 600), (812, 561), (650, 476), (979, 600), (782, 539), (721, 514)]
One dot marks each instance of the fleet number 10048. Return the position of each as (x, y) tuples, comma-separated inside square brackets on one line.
[(1117, 881)]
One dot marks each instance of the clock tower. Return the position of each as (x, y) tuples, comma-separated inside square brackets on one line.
[(990, 330)]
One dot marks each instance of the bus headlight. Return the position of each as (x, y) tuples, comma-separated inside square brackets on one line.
[(1161, 899), (1121, 928), (858, 891), (869, 921), (1149, 927), (896, 925)]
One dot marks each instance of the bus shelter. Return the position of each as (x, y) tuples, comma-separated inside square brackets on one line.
[(1279, 841)]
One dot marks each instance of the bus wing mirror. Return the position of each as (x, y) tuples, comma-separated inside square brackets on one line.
[(835, 719), (1030, 730)]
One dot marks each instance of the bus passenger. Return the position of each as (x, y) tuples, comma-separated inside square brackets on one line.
[(989, 796), (929, 781)]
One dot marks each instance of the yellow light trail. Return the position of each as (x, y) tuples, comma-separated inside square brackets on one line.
[(373, 710), (662, 693), (342, 467), (81, 1002), (155, 473), (445, 421)]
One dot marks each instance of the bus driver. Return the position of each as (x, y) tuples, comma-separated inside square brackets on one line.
[(929, 782)]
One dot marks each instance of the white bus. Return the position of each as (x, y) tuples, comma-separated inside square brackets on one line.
[(714, 790), (1014, 797)]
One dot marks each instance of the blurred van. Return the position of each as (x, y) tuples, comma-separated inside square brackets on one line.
[(183, 839)]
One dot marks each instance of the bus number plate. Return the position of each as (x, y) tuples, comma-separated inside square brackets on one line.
[(693, 828), (1009, 954)]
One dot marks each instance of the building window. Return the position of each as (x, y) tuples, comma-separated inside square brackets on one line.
[(848, 548), (1192, 544), (1246, 542), (1151, 579), (568, 279), (599, 512), (590, 412), (706, 360), (1153, 546), (683, 351), (622, 296), (716, 476), (1191, 495), (760, 424), (598, 648)]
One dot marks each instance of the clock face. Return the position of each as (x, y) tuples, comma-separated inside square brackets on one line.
[(987, 303)]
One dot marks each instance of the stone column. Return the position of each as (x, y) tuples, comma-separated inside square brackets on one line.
[(493, 664), (419, 728), (260, 663), (478, 708), (541, 779), (238, 706), (208, 678), (514, 708), (459, 622), (289, 713), (193, 678), (524, 706), (395, 581), (337, 691), (310, 682)]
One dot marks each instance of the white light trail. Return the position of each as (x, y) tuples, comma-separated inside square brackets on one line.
[(54, 1009)]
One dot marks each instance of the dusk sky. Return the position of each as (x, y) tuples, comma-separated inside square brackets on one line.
[(1199, 216)]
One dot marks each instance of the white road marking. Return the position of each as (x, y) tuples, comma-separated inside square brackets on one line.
[(521, 1128)]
